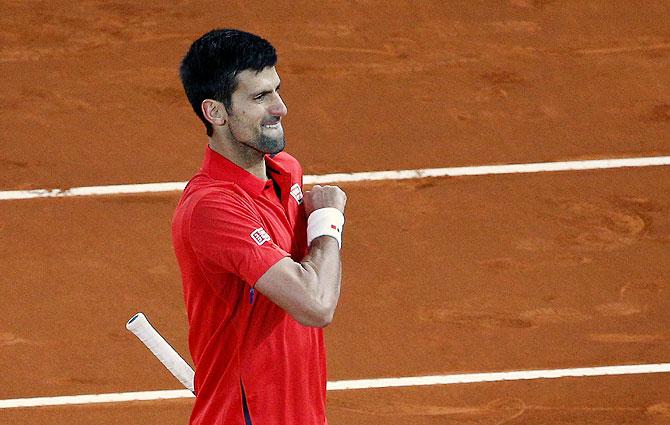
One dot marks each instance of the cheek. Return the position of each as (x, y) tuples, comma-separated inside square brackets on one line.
[(249, 116), (240, 118), (244, 126)]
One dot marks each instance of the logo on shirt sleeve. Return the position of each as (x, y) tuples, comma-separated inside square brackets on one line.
[(260, 236), (296, 192)]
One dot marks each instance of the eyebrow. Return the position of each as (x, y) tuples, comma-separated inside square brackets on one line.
[(264, 92)]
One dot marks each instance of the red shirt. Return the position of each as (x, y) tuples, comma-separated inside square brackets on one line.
[(229, 228)]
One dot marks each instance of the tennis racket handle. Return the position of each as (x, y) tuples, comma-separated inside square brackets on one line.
[(140, 326)]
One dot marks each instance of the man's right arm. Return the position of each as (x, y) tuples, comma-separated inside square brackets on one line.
[(309, 290)]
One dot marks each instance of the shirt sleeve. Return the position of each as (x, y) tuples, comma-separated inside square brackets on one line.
[(229, 236)]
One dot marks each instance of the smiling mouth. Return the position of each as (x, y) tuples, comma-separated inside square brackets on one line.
[(273, 126)]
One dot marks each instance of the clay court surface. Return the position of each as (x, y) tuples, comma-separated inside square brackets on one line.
[(441, 276)]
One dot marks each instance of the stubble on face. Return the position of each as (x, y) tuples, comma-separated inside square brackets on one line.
[(271, 145), (256, 112), (263, 143)]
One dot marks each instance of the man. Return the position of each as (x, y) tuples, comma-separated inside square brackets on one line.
[(260, 263)]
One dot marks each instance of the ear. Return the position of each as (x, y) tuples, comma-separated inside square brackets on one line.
[(214, 112)]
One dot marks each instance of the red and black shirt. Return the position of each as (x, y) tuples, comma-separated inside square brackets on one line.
[(229, 228)]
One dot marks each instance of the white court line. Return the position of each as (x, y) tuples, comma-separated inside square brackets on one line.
[(358, 384), (480, 170)]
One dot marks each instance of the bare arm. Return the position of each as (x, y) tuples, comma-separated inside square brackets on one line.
[(309, 290)]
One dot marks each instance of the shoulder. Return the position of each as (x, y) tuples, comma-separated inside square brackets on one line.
[(221, 208), (221, 195), (204, 193)]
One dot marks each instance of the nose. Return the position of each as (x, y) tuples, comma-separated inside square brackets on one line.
[(279, 108)]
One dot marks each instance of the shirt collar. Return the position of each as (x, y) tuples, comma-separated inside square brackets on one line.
[(219, 167)]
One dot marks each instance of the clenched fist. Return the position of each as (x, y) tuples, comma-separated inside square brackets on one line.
[(324, 197)]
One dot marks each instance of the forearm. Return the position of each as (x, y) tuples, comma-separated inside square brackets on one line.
[(324, 265), (309, 290)]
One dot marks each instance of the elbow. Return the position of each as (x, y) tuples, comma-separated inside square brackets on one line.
[(325, 319), (318, 317)]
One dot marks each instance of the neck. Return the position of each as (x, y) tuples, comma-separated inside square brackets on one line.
[(241, 155)]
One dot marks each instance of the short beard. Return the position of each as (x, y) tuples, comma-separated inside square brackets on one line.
[(271, 145), (262, 143)]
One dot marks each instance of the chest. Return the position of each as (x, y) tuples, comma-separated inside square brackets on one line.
[(282, 213)]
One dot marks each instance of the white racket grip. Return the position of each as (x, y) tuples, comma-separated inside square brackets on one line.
[(140, 326)]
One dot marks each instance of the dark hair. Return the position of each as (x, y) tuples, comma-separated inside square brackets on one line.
[(210, 67)]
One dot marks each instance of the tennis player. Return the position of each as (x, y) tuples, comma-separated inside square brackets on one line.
[(260, 260)]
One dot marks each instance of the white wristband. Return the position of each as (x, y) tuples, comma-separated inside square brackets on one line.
[(325, 222)]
